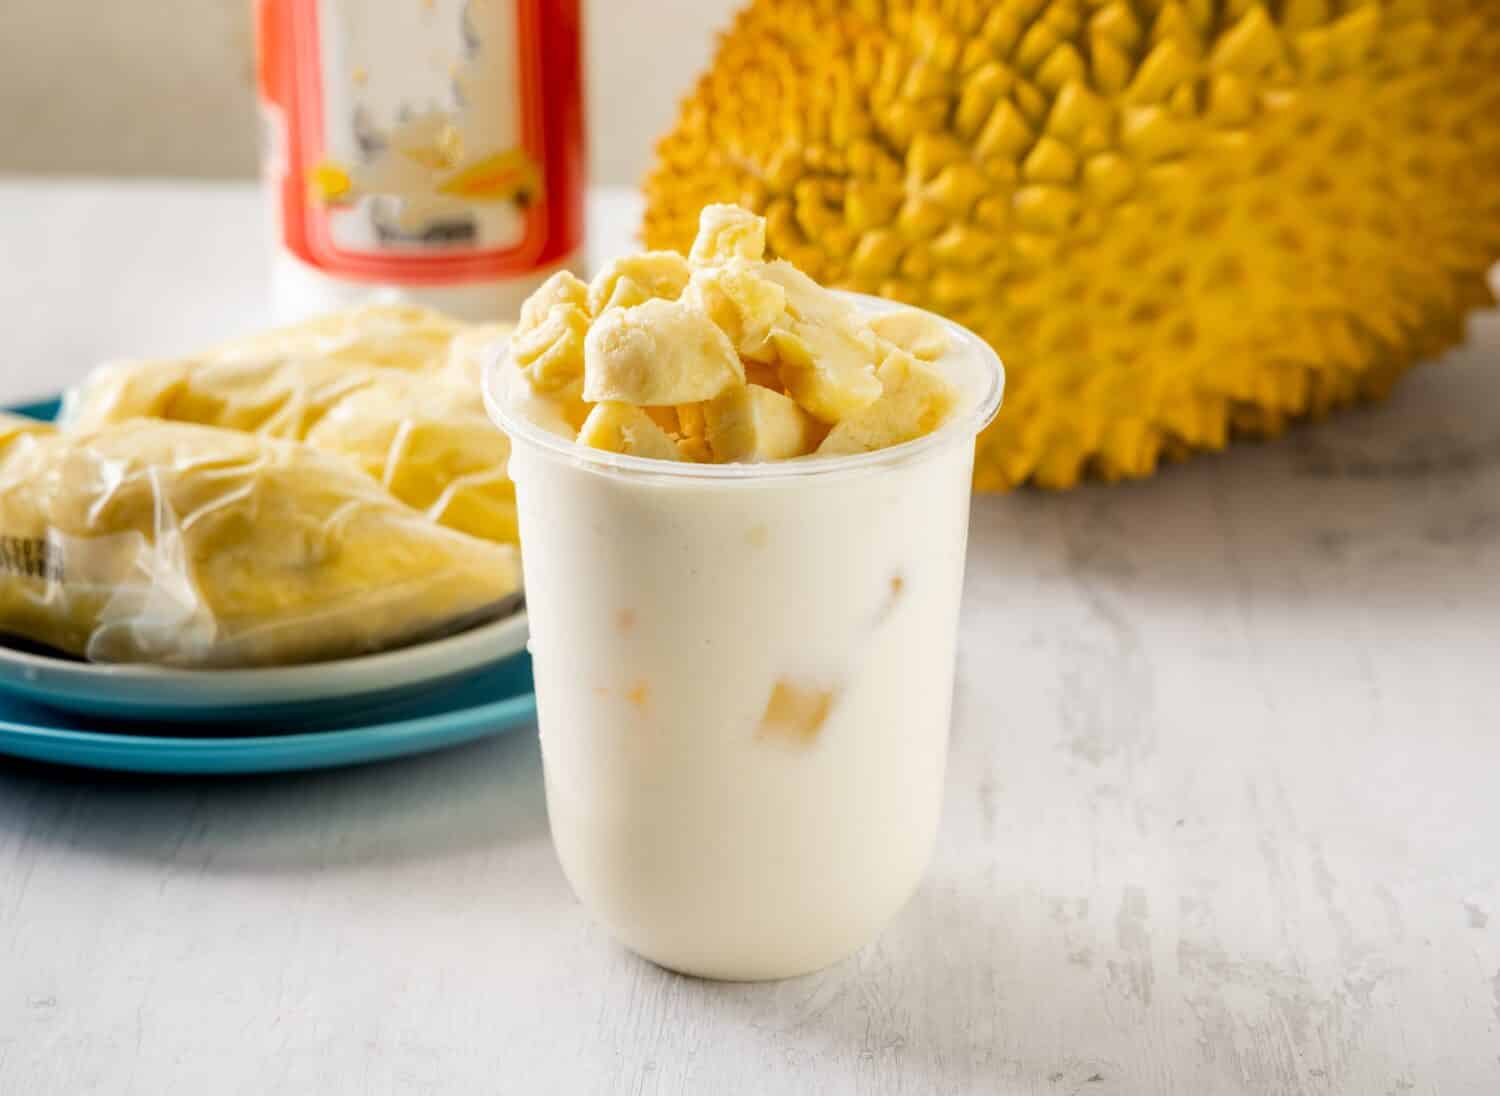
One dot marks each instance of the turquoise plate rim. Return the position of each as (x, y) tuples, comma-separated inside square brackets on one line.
[(175, 755), (263, 753), (46, 410)]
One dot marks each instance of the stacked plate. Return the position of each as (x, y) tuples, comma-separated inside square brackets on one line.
[(153, 719)]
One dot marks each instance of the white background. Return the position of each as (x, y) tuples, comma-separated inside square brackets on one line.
[(164, 88)]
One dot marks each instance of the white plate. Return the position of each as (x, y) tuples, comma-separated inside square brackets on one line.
[(295, 693)]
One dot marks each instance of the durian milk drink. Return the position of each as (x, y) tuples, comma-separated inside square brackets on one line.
[(744, 677)]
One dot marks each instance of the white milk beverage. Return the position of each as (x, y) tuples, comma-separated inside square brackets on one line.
[(744, 675), (429, 151)]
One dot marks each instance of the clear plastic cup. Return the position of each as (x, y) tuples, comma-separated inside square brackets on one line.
[(744, 679)]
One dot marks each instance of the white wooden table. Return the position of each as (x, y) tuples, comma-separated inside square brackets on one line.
[(1223, 814)]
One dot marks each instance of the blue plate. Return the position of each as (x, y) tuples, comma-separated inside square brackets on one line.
[(46, 410), (306, 695), (486, 701), (493, 701)]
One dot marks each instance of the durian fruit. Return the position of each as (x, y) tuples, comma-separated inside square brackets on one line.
[(1175, 220)]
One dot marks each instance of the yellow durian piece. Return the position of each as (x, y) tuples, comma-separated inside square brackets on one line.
[(658, 354), (741, 302), (551, 353), (825, 370), (691, 421), (750, 423), (636, 279), (920, 334), (621, 428), (728, 232), (561, 290), (825, 352), (914, 400), (1175, 221)]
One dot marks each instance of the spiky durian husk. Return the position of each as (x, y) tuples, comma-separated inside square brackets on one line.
[(1176, 220)]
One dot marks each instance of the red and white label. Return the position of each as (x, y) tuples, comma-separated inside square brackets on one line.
[(424, 141)]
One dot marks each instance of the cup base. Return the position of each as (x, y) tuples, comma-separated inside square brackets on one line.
[(745, 970)]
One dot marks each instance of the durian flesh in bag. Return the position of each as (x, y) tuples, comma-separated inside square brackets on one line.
[(150, 541), (418, 427), (1174, 219), (398, 336)]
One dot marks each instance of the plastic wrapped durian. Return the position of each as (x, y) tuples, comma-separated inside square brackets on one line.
[(150, 541), (425, 436), (397, 336), (471, 350), (389, 336), (433, 447)]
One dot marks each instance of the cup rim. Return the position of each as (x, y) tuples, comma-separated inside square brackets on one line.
[(965, 427)]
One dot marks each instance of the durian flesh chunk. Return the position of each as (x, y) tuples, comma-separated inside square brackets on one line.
[(657, 354), (743, 304), (826, 370), (621, 428), (765, 374), (560, 290), (728, 232), (551, 354), (826, 350), (806, 300), (636, 279), (547, 343), (691, 422), (920, 334), (750, 423), (916, 399), (726, 357)]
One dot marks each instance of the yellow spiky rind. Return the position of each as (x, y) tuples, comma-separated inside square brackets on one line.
[(1176, 220)]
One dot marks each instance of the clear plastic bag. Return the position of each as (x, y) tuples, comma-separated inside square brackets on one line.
[(150, 541), (420, 431), (396, 336)]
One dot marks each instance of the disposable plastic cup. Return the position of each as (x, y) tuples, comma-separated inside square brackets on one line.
[(744, 678)]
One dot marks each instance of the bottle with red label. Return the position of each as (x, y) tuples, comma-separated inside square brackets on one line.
[(422, 150)]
